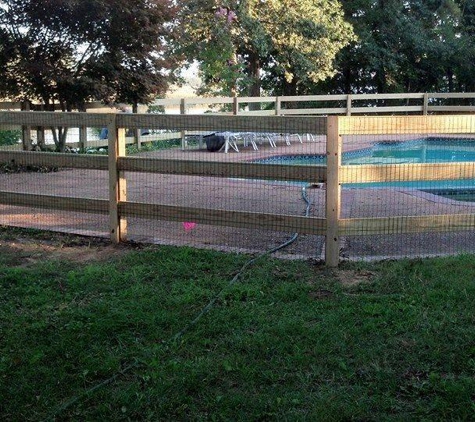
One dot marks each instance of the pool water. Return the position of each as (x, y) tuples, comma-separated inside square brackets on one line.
[(427, 150)]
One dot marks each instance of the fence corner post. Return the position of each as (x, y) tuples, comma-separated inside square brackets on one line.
[(333, 193), (117, 181)]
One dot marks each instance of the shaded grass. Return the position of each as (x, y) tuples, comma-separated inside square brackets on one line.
[(290, 341)]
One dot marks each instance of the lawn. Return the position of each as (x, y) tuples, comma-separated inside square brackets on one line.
[(93, 332)]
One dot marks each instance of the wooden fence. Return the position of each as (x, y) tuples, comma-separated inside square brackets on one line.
[(342, 104), (309, 105), (333, 173)]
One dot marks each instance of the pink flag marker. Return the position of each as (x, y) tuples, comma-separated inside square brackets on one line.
[(188, 225)]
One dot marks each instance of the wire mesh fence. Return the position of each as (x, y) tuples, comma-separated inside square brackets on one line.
[(353, 187), (226, 184), (409, 185)]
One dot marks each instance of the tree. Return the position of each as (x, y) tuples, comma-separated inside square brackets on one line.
[(67, 52), (415, 45), (239, 43)]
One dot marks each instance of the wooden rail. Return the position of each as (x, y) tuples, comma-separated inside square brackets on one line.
[(333, 227)]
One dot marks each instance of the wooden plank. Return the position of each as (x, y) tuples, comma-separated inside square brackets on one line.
[(257, 113), (333, 194), (167, 102), (384, 109), (54, 159), (301, 111), (219, 217), (388, 96), (406, 172), (213, 100), (407, 224), (452, 95), (381, 125), (300, 98), (46, 118), (452, 109), (258, 171), (256, 100), (209, 122), (54, 202)]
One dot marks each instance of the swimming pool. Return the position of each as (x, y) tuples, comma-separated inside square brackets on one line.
[(426, 150)]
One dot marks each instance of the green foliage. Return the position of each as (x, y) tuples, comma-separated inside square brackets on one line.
[(10, 137), (290, 341), (239, 42), (410, 46), (68, 52)]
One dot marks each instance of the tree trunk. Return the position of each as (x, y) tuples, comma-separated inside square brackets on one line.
[(290, 89), (254, 73)]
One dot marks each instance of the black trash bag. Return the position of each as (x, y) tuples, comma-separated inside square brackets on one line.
[(214, 142)]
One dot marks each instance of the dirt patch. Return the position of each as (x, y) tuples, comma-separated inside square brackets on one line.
[(349, 278), (23, 251)]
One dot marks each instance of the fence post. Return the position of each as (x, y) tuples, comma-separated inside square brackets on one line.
[(117, 181), (333, 193), (137, 139), (183, 111), (82, 138), (426, 104), (40, 132), (277, 106), (26, 130), (348, 105), (83, 131), (235, 105)]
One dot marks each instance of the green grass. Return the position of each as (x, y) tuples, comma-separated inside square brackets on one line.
[(289, 341)]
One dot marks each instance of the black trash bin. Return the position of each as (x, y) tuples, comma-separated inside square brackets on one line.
[(214, 142)]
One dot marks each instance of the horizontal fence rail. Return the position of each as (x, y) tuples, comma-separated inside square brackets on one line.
[(54, 202), (229, 123), (333, 173), (304, 225), (54, 159), (307, 173)]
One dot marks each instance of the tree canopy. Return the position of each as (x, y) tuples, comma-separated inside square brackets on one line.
[(242, 43), (410, 46), (69, 51)]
